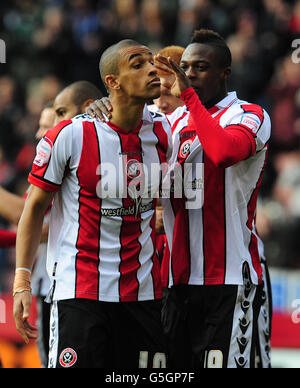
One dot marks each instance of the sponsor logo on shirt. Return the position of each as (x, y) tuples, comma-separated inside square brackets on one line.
[(251, 122), (43, 153), (129, 211)]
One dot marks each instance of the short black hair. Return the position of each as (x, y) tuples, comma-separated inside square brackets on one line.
[(83, 91), (214, 39)]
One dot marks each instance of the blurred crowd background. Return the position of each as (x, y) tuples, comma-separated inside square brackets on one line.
[(52, 43)]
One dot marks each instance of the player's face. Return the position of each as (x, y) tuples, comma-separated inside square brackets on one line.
[(167, 103), (46, 122), (138, 77), (64, 107), (201, 65)]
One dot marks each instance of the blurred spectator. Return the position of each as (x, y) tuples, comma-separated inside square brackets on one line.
[(10, 113), (39, 92), (279, 10), (151, 24), (248, 71), (284, 92), (279, 215), (53, 39), (191, 14), (85, 23), (7, 91), (294, 24), (22, 18), (126, 18)]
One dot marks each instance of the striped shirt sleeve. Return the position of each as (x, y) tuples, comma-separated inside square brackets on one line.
[(255, 122), (52, 156)]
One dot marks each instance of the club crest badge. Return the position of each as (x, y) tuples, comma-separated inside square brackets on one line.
[(68, 358), (133, 168), (185, 149)]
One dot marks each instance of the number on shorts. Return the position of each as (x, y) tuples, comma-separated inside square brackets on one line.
[(159, 360), (214, 359)]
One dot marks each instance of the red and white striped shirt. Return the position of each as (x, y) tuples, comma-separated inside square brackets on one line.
[(211, 244), (102, 247)]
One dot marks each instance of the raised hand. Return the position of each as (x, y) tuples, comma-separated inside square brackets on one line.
[(100, 109), (167, 65)]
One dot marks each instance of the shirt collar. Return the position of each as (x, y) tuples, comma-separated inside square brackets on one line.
[(227, 101), (147, 115)]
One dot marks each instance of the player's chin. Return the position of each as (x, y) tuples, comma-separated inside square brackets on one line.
[(199, 92), (154, 91)]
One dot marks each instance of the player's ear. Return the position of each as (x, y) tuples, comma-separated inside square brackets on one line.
[(112, 82), (227, 73)]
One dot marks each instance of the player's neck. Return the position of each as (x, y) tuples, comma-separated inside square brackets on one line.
[(216, 99), (127, 114)]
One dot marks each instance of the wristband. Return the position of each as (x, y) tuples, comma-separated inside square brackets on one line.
[(23, 269)]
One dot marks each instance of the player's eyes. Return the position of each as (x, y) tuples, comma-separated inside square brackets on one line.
[(61, 113), (202, 68), (137, 66), (197, 67)]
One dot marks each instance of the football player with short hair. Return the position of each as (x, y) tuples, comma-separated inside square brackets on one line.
[(105, 273)]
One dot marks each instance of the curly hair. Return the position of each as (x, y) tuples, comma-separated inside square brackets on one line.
[(214, 39), (175, 52)]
